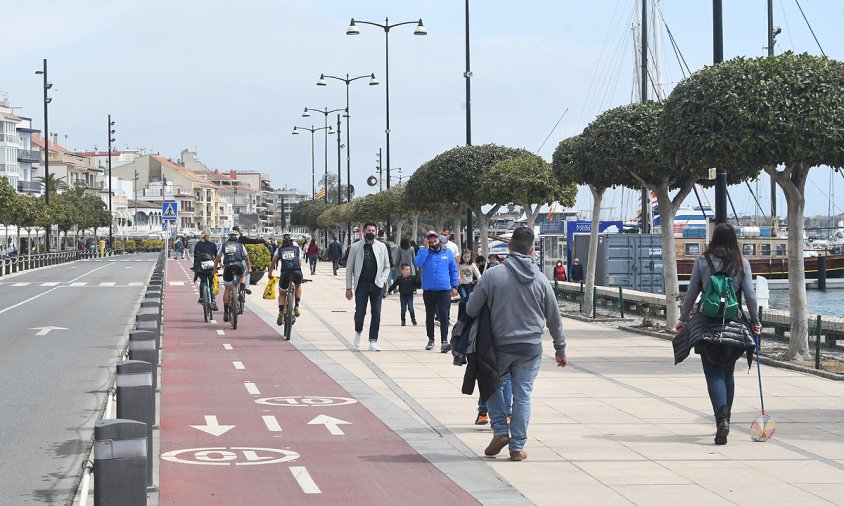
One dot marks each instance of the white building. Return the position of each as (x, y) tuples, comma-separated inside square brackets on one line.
[(17, 155)]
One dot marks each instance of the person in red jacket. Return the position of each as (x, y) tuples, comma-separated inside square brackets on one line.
[(313, 254), (559, 272)]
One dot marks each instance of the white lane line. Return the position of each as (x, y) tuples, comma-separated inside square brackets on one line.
[(239, 366), (221, 332), (20, 284), (272, 423), (251, 388), (176, 283), (27, 300), (50, 283), (108, 283), (135, 283), (227, 347), (80, 283), (303, 478), (214, 322)]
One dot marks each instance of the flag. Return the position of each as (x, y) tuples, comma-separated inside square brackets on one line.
[(320, 194), (550, 216)]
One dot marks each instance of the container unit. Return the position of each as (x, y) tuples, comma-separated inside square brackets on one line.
[(627, 260)]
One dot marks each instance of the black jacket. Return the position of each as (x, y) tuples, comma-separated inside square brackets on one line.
[(723, 342), (203, 250), (576, 272), (481, 365), (407, 285), (335, 251)]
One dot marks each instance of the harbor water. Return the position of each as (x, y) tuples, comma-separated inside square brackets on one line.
[(827, 303)]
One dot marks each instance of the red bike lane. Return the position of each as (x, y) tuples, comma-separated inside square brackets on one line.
[(248, 419)]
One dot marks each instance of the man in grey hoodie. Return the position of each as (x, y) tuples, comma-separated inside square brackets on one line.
[(521, 303)]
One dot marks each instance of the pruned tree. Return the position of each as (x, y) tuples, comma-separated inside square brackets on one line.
[(28, 209), (783, 114), (529, 182), (8, 203), (306, 214)]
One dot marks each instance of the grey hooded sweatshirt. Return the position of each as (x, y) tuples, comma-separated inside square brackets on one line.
[(522, 303)]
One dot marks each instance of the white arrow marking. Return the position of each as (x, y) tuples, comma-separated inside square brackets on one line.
[(43, 331), (303, 478), (272, 423), (330, 423), (213, 427)]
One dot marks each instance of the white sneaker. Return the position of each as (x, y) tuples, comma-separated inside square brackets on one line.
[(373, 346), (357, 340)]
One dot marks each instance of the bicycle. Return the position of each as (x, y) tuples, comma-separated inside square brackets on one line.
[(207, 310), (237, 304), (290, 303)]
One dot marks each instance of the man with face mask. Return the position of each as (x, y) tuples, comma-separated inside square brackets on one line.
[(367, 270), (439, 285)]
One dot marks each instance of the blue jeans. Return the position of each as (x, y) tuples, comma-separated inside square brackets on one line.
[(439, 302), (523, 371), (312, 262), (203, 282), (719, 382), (372, 293), (508, 397), (407, 304)]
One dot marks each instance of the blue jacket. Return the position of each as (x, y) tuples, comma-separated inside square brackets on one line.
[(439, 270)]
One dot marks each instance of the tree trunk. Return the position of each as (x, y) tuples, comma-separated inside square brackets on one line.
[(414, 232), (592, 259), (399, 226), (794, 187), (667, 210), (531, 213), (456, 227), (483, 226)]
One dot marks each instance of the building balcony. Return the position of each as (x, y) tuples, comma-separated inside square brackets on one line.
[(29, 186), (29, 156)]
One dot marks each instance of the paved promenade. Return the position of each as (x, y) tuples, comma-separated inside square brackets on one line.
[(620, 425)]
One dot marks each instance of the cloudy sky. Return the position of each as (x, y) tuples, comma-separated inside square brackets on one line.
[(230, 79)]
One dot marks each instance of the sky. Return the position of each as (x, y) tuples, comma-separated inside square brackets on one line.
[(230, 80)]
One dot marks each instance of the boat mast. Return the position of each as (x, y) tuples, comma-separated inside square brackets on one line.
[(646, 228), (774, 219), (656, 12)]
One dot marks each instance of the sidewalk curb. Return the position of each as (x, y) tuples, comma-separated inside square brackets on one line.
[(763, 359)]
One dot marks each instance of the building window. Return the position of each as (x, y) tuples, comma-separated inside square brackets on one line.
[(692, 249), (766, 249), (780, 250), (748, 249)]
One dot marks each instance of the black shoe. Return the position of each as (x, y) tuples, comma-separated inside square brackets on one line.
[(226, 314), (445, 348), (722, 425), (414, 322), (403, 324)]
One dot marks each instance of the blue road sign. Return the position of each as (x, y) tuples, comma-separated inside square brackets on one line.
[(169, 210)]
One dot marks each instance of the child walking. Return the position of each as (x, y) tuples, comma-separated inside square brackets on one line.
[(407, 287)]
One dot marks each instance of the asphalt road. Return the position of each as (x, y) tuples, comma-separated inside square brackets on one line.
[(53, 381)]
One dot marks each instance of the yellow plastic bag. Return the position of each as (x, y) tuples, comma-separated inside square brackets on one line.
[(269, 291), (215, 285)]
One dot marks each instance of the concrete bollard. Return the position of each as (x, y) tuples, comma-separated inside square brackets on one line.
[(120, 462), (143, 347), (136, 399), (148, 314)]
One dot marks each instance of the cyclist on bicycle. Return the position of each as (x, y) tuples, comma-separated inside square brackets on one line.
[(204, 253), (290, 259), (236, 264)]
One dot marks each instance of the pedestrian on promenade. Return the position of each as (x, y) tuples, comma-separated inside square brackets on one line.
[(406, 284), (404, 254), (439, 285), (335, 252), (719, 343), (521, 304), (367, 270), (445, 240), (492, 261), (180, 248), (559, 272), (480, 261), (191, 246), (313, 255), (576, 271)]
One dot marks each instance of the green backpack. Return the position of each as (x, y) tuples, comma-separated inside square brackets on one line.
[(719, 301)]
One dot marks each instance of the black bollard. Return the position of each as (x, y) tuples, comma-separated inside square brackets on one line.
[(143, 346), (136, 399), (120, 462), (821, 273)]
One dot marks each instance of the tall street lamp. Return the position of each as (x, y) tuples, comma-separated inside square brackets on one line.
[(325, 112), (420, 30), (372, 82), (313, 130), (111, 222), (47, 100)]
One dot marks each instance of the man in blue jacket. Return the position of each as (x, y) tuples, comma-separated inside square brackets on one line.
[(439, 285)]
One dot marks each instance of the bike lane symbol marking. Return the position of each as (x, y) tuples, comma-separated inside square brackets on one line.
[(225, 456), (317, 401)]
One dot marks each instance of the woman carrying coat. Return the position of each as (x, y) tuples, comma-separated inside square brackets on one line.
[(719, 348)]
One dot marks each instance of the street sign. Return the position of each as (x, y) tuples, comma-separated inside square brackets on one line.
[(169, 210)]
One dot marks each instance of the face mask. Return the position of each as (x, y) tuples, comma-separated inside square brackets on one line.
[(443, 238), (370, 236), (435, 247)]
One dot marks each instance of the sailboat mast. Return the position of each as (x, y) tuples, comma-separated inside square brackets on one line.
[(774, 218), (646, 228), (656, 12)]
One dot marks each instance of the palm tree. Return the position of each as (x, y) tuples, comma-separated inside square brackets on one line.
[(56, 183)]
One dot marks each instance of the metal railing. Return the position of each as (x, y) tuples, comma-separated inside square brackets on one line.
[(25, 262)]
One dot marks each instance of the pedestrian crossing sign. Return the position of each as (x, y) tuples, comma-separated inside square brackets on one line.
[(169, 210)]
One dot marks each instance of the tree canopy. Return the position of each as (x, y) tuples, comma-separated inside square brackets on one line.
[(307, 212)]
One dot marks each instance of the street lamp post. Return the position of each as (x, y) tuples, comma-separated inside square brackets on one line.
[(372, 82), (47, 100), (420, 30), (313, 167), (110, 212), (324, 112)]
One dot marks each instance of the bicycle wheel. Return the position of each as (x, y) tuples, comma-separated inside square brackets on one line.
[(233, 309), (209, 311), (206, 306), (288, 316)]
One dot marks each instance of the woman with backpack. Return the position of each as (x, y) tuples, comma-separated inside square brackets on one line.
[(719, 331)]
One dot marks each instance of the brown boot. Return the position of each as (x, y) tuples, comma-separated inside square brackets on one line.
[(496, 445), (518, 456)]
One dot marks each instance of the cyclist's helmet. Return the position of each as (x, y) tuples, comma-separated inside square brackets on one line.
[(286, 237), (233, 236)]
